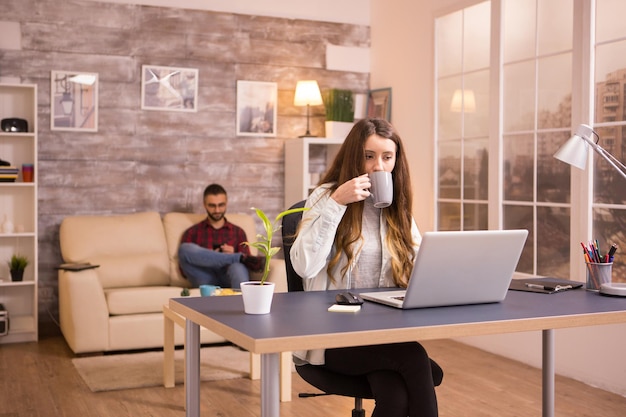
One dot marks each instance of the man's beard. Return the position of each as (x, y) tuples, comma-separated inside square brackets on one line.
[(216, 217)]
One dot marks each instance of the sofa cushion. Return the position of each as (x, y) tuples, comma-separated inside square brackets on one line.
[(139, 300), (130, 249)]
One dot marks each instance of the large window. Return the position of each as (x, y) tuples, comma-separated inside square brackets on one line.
[(463, 111), (609, 188), (531, 53), (536, 110)]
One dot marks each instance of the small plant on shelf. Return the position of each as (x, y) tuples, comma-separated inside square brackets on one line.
[(339, 105), (17, 265), (18, 262)]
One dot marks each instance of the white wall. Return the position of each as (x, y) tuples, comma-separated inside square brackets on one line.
[(402, 58), (343, 11)]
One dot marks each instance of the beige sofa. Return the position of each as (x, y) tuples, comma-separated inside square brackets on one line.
[(119, 305)]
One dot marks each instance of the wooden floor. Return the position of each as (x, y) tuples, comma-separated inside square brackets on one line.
[(39, 380)]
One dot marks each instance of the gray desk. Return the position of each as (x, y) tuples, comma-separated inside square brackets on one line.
[(299, 321)]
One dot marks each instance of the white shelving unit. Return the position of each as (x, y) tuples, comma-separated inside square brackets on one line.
[(306, 159), (18, 204)]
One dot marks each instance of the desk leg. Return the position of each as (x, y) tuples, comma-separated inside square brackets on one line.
[(270, 405), (548, 373), (192, 368), (286, 362)]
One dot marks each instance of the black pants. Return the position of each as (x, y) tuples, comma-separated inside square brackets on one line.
[(399, 374)]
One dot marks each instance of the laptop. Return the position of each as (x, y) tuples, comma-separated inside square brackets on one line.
[(458, 268)]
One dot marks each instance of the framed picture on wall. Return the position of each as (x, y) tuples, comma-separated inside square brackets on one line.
[(169, 88), (74, 101), (379, 103), (256, 108)]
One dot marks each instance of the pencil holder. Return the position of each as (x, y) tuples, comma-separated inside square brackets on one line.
[(598, 274)]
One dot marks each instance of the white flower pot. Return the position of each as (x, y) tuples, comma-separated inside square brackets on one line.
[(338, 130), (257, 298)]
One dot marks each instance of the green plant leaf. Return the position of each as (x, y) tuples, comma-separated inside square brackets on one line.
[(290, 211), (273, 251), (339, 105), (264, 243), (18, 262), (267, 224)]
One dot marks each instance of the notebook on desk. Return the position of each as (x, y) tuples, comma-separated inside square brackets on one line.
[(458, 268)]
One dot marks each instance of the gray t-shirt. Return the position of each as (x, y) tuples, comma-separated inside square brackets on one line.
[(367, 274)]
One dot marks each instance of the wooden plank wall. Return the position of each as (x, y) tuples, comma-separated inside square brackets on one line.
[(155, 160)]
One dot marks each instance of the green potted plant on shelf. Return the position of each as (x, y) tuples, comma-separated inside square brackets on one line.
[(339, 106), (17, 265), (257, 295)]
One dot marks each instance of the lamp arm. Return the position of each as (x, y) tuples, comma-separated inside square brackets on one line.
[(615, 163), (623, 167)]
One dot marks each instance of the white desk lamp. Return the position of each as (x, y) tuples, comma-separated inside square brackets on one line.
[(575, 152)]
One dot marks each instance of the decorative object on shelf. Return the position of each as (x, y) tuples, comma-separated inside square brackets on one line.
[(7, 225), (379, 103), (17, 265), (339, 105), (169, 88), (14, 124), (4, 321), (27, 172), (256, 108), (307, 94), (74, 101), (257, 295)]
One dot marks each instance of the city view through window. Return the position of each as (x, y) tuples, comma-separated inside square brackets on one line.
[(536, 121)]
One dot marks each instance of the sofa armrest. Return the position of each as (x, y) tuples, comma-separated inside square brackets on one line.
[(83, 311)]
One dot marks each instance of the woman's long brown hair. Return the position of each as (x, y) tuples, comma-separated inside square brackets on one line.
[(350, 163)]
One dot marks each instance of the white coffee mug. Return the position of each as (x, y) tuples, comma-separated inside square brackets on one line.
[(382, 188)]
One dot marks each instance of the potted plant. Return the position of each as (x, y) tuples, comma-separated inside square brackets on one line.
[(17, 264), (339, 105), (257, 295)]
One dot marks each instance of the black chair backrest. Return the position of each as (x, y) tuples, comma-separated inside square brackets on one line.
[(289, 228)]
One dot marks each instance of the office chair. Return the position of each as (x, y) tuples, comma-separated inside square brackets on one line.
[(329, 382)]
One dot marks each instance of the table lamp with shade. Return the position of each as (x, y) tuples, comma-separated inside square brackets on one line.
[(575, 152), (307, 94), (463, 100)]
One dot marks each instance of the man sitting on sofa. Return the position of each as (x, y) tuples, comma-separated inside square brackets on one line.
[(212, 251)]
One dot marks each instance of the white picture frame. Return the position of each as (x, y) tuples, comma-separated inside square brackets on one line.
[(256, 108), (169, 88), (74, 101)]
